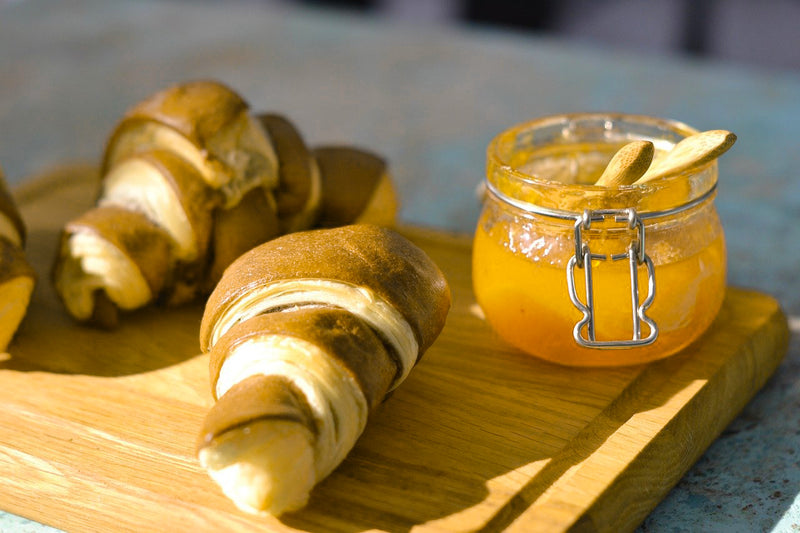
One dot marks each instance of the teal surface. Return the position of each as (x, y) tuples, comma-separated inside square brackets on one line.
[(430, 99)]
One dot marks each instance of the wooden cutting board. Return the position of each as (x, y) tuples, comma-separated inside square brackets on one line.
[(97, 428)]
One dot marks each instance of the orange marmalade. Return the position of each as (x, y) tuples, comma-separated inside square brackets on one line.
[(655, 252)]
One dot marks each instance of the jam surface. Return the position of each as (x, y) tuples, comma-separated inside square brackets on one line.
[(520, 282)]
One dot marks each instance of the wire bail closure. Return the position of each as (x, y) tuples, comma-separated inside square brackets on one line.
[(636, 257)]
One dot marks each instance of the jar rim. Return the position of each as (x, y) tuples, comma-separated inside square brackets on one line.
[(562, 214), (616, 128)]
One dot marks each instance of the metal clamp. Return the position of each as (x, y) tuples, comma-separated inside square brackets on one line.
[(635, 255)]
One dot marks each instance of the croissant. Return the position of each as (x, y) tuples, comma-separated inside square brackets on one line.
[(17, 277), (172, 163), (207, 182), (307, 334)]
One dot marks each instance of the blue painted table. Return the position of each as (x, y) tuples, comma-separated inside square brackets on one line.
[(430, 98)]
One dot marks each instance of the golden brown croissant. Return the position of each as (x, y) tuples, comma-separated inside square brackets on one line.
[(17, 277), (307, 334), (215, 182), (172, 163)]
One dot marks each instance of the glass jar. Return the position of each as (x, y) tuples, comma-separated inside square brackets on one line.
[(652, 255)]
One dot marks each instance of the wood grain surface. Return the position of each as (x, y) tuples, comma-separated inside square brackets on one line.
[(97, 428)]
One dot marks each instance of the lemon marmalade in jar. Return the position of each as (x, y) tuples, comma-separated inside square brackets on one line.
[(587, 275)]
